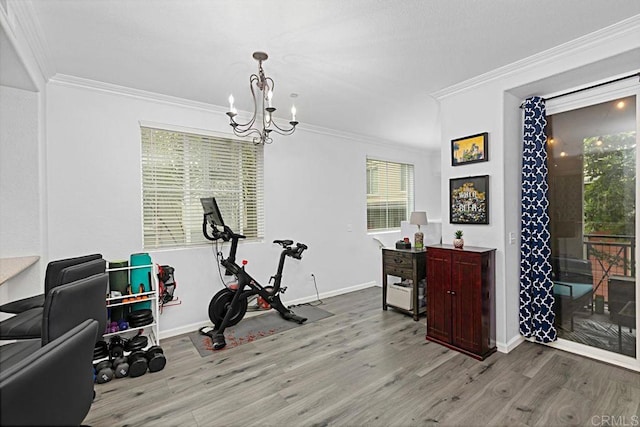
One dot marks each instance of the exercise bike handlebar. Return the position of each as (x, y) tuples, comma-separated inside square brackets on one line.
[(290, 251), (297, 251), (226, 235)]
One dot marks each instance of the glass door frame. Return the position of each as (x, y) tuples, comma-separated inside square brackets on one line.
[(628, 87)]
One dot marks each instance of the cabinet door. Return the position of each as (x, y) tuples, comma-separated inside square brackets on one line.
[(466, 301), (438, 300)]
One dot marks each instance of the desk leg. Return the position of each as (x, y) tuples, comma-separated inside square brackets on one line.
[(384, 290), (416, 306)]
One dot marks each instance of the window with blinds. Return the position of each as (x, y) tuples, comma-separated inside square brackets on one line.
[(389, 194), (179, 168)]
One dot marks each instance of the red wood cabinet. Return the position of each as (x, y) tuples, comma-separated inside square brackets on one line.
[(461, 299)]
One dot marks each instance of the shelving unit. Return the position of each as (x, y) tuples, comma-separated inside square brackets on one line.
[(152, 329)]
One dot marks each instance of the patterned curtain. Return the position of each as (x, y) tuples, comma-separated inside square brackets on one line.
[(536, 287)]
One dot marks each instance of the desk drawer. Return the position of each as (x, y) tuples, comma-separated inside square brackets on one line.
[(405, 273), (398, 259)]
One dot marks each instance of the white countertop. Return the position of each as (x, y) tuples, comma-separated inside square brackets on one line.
[(10, 267)]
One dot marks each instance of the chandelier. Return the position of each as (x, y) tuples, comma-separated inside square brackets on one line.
[(261, 86)]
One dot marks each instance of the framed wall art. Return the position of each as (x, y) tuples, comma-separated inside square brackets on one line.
[(470, 149), (469, 200)]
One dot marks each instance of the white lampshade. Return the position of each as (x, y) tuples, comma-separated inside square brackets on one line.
[(418, 218)]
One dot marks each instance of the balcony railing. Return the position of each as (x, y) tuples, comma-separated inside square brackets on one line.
[(610, 255)]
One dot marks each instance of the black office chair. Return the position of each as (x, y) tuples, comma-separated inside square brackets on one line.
[(66, 306), (29, 324), (53, 385), (51, 280)]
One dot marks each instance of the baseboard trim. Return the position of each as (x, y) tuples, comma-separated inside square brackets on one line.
[(195, 326), (509, 346), (333, 293)]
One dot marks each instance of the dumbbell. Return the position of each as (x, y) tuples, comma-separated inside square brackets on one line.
[(120, 367), (104, 373), (116, 347), (137, 363), (155, 358)]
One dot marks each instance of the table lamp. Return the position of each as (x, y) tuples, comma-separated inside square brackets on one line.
[(418, 218)]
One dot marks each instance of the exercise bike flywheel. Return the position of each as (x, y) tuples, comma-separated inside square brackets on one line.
[(221, 303)]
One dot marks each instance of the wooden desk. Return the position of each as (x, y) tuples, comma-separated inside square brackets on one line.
[(10, 267), (406, 264)]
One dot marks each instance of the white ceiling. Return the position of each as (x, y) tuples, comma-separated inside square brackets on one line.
[(366, 67)]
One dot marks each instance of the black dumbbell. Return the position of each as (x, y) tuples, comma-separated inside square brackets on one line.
[(137, 363), (104, 373), (155, 358), (116, 347), (120, 367)]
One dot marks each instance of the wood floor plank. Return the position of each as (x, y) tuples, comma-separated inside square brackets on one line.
[(365, 367)]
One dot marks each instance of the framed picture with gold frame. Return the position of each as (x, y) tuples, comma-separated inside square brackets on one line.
[(470, 149), (469, 200)]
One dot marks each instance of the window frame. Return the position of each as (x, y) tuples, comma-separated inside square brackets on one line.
[(191, 235), (407, 184)]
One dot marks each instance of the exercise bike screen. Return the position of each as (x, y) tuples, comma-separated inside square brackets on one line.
[(211, 211)]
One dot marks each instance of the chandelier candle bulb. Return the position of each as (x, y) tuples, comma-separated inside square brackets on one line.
[(231, 103), (293, 113)]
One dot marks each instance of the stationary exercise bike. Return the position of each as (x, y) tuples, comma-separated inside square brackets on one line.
[(228, 306)]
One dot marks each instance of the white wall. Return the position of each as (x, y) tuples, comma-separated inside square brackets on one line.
[(20, 230), (22, 150), (490, 104), (315, 192)]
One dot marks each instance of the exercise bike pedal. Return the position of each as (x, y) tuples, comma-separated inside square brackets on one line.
[(219, 342)]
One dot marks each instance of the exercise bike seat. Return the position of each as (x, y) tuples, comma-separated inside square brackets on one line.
[(284, 243)]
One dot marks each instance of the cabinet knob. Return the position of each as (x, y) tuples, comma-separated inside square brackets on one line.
[(453, 292)]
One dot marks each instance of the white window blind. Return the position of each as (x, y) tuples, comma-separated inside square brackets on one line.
[(179, 168), (389, 194)]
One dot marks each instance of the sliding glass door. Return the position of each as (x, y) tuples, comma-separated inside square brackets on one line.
[(592, 160)]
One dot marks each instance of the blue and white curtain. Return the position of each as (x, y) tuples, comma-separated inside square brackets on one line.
[(536, 287)]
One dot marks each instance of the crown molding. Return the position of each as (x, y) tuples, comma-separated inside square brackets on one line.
[(585, 42), (25, 14), (109, 88)]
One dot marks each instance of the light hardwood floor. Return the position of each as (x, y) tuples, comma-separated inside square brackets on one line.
[(367, 367)]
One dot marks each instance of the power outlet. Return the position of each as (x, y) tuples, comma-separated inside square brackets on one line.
[(512, 238)]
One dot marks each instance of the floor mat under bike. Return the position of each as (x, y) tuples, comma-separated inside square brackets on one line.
[(256, 327)]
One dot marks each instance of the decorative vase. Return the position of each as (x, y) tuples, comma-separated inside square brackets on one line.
[(458, 243)]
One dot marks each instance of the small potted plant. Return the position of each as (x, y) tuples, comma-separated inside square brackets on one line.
[(458, 242)]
